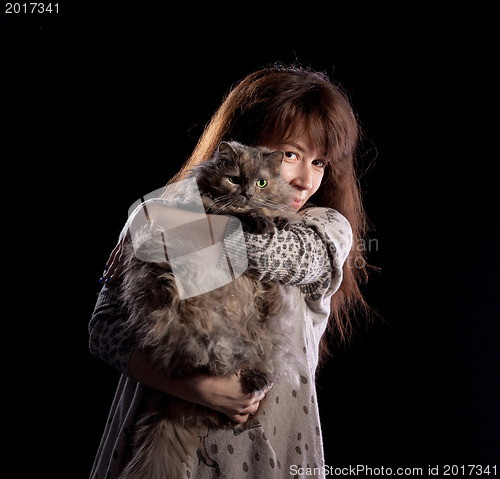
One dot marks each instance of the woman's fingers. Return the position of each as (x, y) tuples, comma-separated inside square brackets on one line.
[(239, 418), (247, 411), (114, 264), (243, 416)]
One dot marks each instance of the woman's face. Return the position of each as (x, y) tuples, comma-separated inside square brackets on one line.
[(303, 167)]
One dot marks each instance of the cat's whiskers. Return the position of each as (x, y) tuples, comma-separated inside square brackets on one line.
[(222, 208), (276, 206), (220, 199), (223, 202), (216, 208)]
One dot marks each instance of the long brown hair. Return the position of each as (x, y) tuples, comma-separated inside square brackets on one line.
[(277, 103)]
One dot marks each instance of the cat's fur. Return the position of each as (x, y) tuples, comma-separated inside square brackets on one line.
[(243, 327)]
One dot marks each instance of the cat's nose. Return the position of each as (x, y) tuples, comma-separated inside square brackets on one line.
[(248, 195)]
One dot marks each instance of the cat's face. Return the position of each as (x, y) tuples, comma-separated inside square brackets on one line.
[(242, 178)]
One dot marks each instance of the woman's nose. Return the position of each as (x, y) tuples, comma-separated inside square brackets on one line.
[(303, 179)]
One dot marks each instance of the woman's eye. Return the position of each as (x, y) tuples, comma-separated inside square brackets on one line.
[(290, 155), (320, 163), (235, 180), (262, 183)]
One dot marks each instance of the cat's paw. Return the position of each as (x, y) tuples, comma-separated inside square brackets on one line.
[(255, 380), (282, 223), (257, 224), (266, 227)]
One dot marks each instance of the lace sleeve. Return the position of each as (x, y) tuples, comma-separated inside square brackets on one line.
[(311, 254), (108, 338)]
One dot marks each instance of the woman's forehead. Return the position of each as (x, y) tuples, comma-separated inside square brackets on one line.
[(308, 133), (301, 143)]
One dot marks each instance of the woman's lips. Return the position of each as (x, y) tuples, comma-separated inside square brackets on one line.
[(296, 203)]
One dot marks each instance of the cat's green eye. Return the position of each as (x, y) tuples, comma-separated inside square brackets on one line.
[(235, 180), (262, 183)]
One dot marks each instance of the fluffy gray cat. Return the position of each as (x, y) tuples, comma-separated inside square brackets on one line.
[(241, 328)]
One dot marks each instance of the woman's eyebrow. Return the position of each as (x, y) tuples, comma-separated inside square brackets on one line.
[(296, 146)]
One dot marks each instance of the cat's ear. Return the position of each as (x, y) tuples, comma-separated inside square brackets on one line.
[(225, 146), (275, 159)]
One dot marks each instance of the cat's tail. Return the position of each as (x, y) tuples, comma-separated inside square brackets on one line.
[(163, 446)]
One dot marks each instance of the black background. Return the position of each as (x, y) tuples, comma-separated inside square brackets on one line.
[(102, 105)]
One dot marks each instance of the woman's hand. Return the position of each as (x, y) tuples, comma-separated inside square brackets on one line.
[(224, 394), (114, 264)]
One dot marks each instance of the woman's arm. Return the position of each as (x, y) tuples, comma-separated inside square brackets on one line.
[(109, 339), (111, 342), (306, 254), (224, 394), (311, 254)]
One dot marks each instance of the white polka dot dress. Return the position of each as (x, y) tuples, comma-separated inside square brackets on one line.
[(284, 436)]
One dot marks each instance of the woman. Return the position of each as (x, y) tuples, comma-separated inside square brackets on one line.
[(302, 113)]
